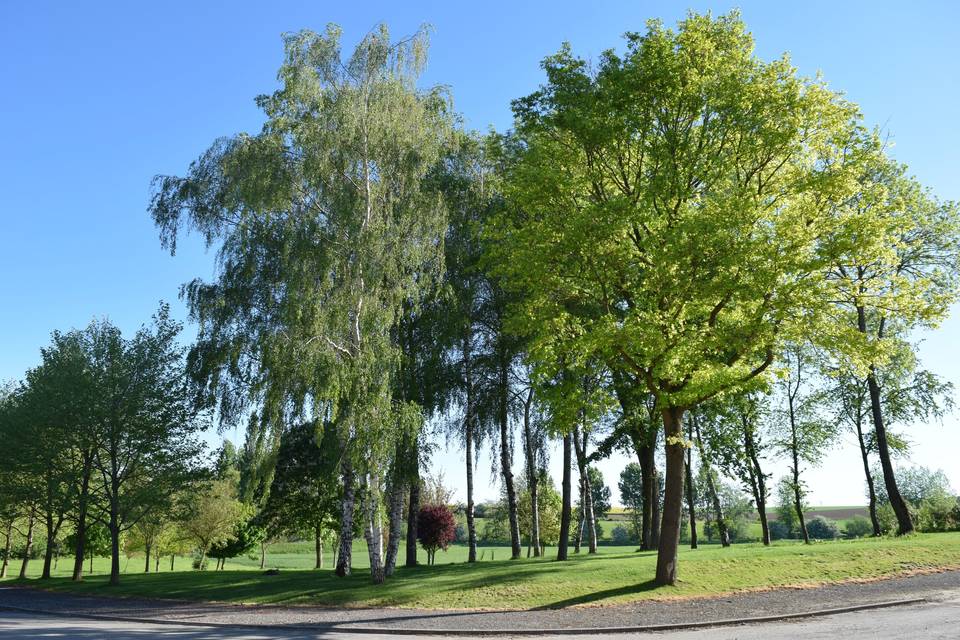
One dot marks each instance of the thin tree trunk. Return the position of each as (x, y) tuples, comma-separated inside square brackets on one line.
[(690, 506), (83, 500), (91, 564), (516, 551), (566, 498), (531, 454), (395, 517), (156, 564), (471, 521), (372, 528), (468, 437), (263, 554), (757, 482), (51, 540), (722, 530), (8, 543), (114, 539), (173, 557), (871, 491), (346, 519), (147, 554), (647, 482), (795, 457), (318, 547), (28, 549), (413, 508), (586, 497), (673, 497)]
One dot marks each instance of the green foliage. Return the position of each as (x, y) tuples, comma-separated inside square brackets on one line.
[(821, 528), (631, 495), (858, 527)]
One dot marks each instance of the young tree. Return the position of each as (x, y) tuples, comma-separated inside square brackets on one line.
[(327, 235), (148, 423), (304, 496), (802, 432), (667, 216), (436, 527), (212, 516), (901, 274)]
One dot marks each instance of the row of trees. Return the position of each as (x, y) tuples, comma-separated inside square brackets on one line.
[(666, 239), (657, 241)]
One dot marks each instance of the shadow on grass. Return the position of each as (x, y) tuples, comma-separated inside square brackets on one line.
[(596, 596)]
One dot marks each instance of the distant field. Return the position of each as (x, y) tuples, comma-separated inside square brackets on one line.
[(615, 575)]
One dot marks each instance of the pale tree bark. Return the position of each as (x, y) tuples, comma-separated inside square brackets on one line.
[(395, 522), (757, 480), (372, 528), (691, 509)]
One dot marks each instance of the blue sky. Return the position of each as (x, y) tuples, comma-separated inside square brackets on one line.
[(97, 99)]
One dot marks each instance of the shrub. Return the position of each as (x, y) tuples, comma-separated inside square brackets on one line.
[(858, 527), (436, 528), (621, 535), (779, 530), (938, 513), (822, 528)]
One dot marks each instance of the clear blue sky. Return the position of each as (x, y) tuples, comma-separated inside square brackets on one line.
[(98, 98)]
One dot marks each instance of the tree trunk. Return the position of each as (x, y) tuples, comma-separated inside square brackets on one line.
[(565, 508), (586, 497), (531, 455), (83, 500), (516, 551), (646, 488), (263, 554), (673, 497), (156, 564), (147, 554), (471, 521), (795, 457), (900, 509), (871, 491), (48, 551), (690, 506), (8, 543), (114, 540), (91, 564), (413, 508), (468, 436), (722, 530), (346, 519), (173, 557), (757, 482), (28, 549), (372, 528), (394, 519)]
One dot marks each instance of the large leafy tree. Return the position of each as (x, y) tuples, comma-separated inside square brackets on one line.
[(669, 216), (326, 237)]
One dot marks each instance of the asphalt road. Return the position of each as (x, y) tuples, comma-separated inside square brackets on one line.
[(931, 621)]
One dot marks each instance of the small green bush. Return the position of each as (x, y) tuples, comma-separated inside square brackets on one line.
[(821, 528), (858, 527)]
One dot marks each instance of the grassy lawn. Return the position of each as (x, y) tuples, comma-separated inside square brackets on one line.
[(617, 574)]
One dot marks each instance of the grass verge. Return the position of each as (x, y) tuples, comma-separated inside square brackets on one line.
[(616, 576)]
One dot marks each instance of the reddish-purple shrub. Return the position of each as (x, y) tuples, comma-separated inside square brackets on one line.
[(436, 528)]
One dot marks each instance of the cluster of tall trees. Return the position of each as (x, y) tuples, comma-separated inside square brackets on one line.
[(658, 256)]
